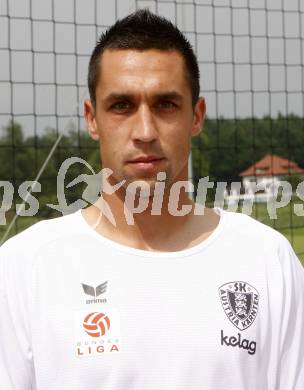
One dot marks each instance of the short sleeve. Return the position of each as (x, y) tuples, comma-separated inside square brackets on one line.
[(16, 368), (292, 327)]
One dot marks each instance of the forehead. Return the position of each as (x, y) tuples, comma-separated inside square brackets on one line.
[(146, 70)]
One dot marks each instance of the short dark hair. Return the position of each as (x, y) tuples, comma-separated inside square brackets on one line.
[(143, 30)]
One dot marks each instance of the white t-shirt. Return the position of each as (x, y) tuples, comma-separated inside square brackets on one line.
[(81, 312)]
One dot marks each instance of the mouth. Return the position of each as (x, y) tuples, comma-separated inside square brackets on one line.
[(145, 159), (145, 162)]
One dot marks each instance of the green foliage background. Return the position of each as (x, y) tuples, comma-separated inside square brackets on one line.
[(223, 149)]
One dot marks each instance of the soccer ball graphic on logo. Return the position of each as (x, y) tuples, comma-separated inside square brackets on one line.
[(96, 324)]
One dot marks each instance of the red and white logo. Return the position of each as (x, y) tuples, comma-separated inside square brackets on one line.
[(96, 324), (97, 332)]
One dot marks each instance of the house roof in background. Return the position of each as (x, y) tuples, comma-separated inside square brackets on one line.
[(272, 165)]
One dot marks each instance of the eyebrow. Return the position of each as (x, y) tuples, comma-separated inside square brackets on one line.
[(168, 95)]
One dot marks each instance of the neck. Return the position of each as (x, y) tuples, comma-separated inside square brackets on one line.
[(153, 223), (131, 211)]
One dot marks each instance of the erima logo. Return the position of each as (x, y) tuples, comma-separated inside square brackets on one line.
[(95, 292)]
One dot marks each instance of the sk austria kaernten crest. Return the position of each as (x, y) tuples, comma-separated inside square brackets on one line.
[(240, 302)]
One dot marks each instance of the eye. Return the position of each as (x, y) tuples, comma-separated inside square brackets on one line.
[(167, 105), (121, 106)]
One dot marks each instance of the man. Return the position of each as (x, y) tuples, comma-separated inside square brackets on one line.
[(171, 299)]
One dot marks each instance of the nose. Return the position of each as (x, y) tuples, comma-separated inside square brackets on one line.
[(144, 128)]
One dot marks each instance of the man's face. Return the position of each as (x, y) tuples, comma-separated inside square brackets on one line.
[(144, 119)]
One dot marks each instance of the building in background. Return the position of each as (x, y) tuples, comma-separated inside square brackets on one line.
[(261, 181)]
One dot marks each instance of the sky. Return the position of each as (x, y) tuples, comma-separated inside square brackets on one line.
[(250, 52)]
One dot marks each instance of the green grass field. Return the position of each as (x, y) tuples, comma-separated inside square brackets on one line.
[(287, 222)]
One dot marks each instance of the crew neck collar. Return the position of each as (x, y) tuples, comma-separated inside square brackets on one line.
[(83, 224)]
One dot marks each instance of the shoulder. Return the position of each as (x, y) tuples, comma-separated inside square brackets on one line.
[(21, 254), (257, 237), (246, 228), (39, 235)]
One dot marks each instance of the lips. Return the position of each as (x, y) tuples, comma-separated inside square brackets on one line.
[(145, 159), (146, 164)]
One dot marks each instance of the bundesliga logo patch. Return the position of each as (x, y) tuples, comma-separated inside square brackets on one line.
[(240, 302), (96, 332)]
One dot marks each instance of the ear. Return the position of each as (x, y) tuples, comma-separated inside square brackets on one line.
[(89, 114), (199, 116)]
